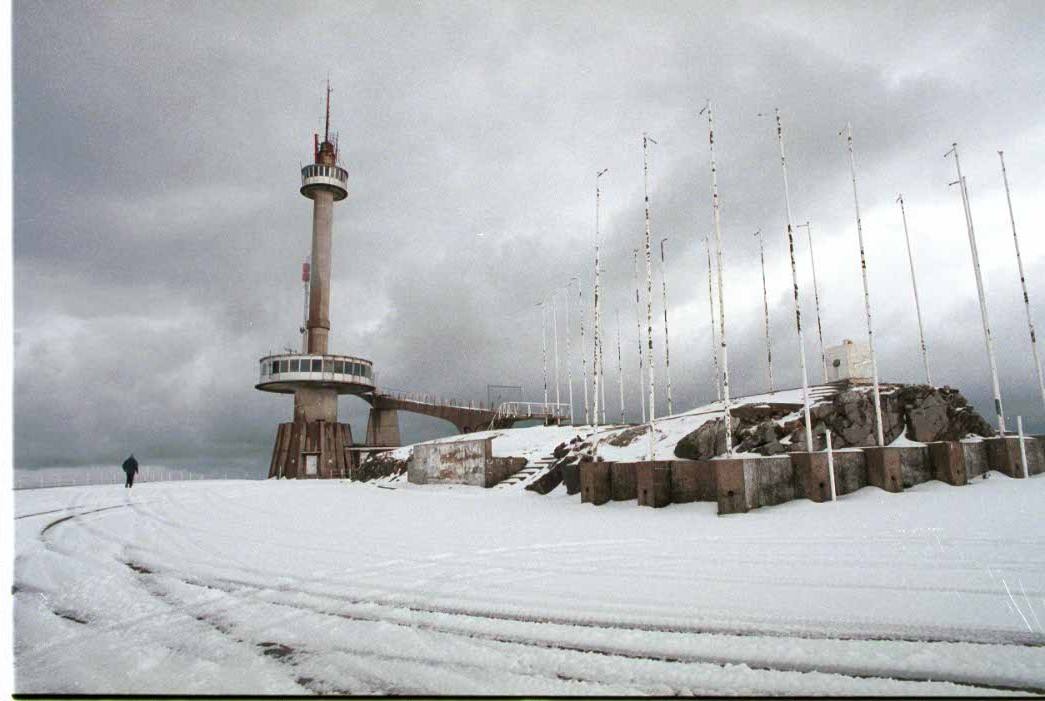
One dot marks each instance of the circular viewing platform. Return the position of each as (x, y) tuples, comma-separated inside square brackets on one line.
[(317, 176), (288, 372)]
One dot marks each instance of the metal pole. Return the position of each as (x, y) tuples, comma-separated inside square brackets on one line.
[(1023, 446), (726, 410), (867, 293), (794, 283), (831, 465), (620, 370), (816, 299), (569, 354), (649, 292), (584, 360), (999, 410), (711, 310), (555, 343), (765, 307), (544, 349), (597, 303), (917, 304), (1023, 282), (602, 378), (638, 328), (667, 355)]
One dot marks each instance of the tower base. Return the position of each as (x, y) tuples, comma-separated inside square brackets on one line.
[(382, 428), (312, 450)]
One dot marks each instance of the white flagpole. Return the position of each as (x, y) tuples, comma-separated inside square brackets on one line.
[(726, 409), (584, 359), (1023, 281), (569, 354), (794, 282), (914, 286), (544, 348), (638, 328), (667, 355), (765, 308), (555, 345), (999, 410), (714, 334), (620, 370), (816, 298), (649, 294), (867, 293), (597, 302)]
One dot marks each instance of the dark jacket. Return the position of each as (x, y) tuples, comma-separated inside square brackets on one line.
[(130, 465)]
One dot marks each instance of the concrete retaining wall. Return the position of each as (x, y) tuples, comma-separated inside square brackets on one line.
[(744, 483)]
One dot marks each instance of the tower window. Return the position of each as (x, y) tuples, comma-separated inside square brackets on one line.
[(328, 366), (317, 365), (294, 365), (339, 367)]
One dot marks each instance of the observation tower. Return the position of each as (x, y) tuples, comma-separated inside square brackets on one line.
[(314, 444)]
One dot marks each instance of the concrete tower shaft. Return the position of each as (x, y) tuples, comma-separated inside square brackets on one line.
[(319, 285)]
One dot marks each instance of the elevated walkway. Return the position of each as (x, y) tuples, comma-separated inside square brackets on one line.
[(466, 415)]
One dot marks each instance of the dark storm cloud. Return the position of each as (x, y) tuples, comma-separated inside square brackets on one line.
[(158, 231)]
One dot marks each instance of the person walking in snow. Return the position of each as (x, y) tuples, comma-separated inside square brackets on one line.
[(130, 468)]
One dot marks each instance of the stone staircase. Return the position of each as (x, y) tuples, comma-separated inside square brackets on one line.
[(531, 470)]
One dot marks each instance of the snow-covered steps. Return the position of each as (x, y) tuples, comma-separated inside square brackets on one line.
[(528, 473)]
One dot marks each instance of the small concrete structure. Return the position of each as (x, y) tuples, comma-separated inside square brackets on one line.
[(469, 462), (595, 483), (1004, 455), (623, 481), (653, 481), (948, 462), (884, 468), (692, 480), (848, 361)]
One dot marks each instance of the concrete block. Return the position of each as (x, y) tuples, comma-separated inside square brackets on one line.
[(500, 469), (653, 480), (595, 483), (975, 453), (692, 480), (884, 469), (1003, 455), (571, 477), (850, 471), (731, 486), (812, 478), (948, 462), (623, 483), (915, 465), (769, 481)]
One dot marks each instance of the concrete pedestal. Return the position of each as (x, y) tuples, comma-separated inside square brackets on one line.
[(653, 480), (595, 483), (948, 462), (730, 485), (382, 428), (1003, 455), (571, 477), (312, 450), (623, 483), (812, 476), (692, 480), (884, 468)]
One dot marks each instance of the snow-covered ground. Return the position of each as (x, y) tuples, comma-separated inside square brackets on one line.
[(296, 587)]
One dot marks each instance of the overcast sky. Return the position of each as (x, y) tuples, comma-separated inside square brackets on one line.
[(158, 229)]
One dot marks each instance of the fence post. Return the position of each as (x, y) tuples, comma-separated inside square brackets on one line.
[(831, 466), (1023, 447)]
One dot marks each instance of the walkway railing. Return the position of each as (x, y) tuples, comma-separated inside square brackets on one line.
[(536, 410), (433, 400)]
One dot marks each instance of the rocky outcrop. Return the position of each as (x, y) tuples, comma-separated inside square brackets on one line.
[(926, 413), (379, 465)]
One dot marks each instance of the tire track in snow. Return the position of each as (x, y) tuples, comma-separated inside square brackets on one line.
[(785, 629), (722, 661)]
